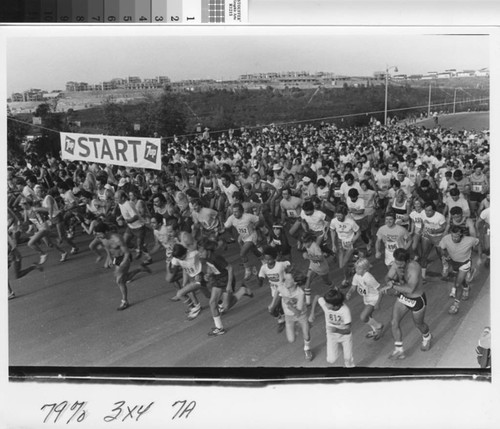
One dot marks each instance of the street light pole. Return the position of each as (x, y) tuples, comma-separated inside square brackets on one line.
[(386, 89)]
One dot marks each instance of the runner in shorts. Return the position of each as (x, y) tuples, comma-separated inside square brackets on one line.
[(367, 287), (274, 271), (347, 230), (393, 236), (219, 278), (404, 280), (433, 227), (246, 224), (457, 250), (295, 309), (118, 256)]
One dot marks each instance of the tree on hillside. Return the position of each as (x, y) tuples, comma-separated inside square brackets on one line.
[(52, 124), (16, 132), (168, 115), (116, 123)]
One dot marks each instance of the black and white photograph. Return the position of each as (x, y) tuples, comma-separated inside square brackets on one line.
[(266, 201)]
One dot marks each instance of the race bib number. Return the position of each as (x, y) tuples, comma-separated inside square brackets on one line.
[(191, 270), (361, 290), (347, 245), (243, 231), (291, 213), (477, 188), (334, 319), (409, 302), (337, 193)]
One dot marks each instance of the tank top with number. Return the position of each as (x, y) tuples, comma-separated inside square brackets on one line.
[(401, 211)]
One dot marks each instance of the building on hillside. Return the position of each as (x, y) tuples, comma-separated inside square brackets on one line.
[(482, 72), (17, 96), (466, 73), (33, 95)]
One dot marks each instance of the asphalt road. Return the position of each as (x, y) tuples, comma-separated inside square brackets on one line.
[(66, 316)]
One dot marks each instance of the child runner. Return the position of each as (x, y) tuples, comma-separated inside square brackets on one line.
[(219, 277), (338, 326), (367, 287), (189, 261), (274, 271), (292, 298)]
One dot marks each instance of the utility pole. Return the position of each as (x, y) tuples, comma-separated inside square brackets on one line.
[(429, 108)]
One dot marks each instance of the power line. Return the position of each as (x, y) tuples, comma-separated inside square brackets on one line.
[(348, 115)]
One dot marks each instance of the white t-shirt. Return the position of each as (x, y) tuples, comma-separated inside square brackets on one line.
[(430, 224), (417, 219), (366, 285), (338, 319), (295, 297), (357, 205), (346, 229), (128, 211), (229, 191), (274, 275), (316, 221), (244, 225), (191, 264)]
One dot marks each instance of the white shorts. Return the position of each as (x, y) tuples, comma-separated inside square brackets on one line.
[(371, 299)]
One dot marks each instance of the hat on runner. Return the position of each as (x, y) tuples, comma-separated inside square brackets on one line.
[(306, 179), (122, 182), (277, 167)]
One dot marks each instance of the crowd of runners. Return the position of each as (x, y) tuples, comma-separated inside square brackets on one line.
[(342, 199)]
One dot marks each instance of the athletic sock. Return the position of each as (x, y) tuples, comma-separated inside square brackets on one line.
[(424, 270), (427, 336), (307, 291), (218, 322), (398, 345), (307, 344)]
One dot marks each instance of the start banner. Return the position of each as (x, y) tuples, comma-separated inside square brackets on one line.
[(140, 152)]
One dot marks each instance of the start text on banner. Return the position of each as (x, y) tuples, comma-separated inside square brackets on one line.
[(139, 152)]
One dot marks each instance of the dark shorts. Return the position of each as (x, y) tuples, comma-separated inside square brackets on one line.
[(219, 282), (460, 266), (476, 196), (414, 304)]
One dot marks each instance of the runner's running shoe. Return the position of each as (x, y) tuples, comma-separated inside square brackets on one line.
[(195, 311), (64, 257), (123, 306), (216, 332), (397, 354), (43, 259), (309, 355), (426, 343), (454, 307)]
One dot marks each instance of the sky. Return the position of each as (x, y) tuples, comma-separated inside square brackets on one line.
[(48, 59)]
